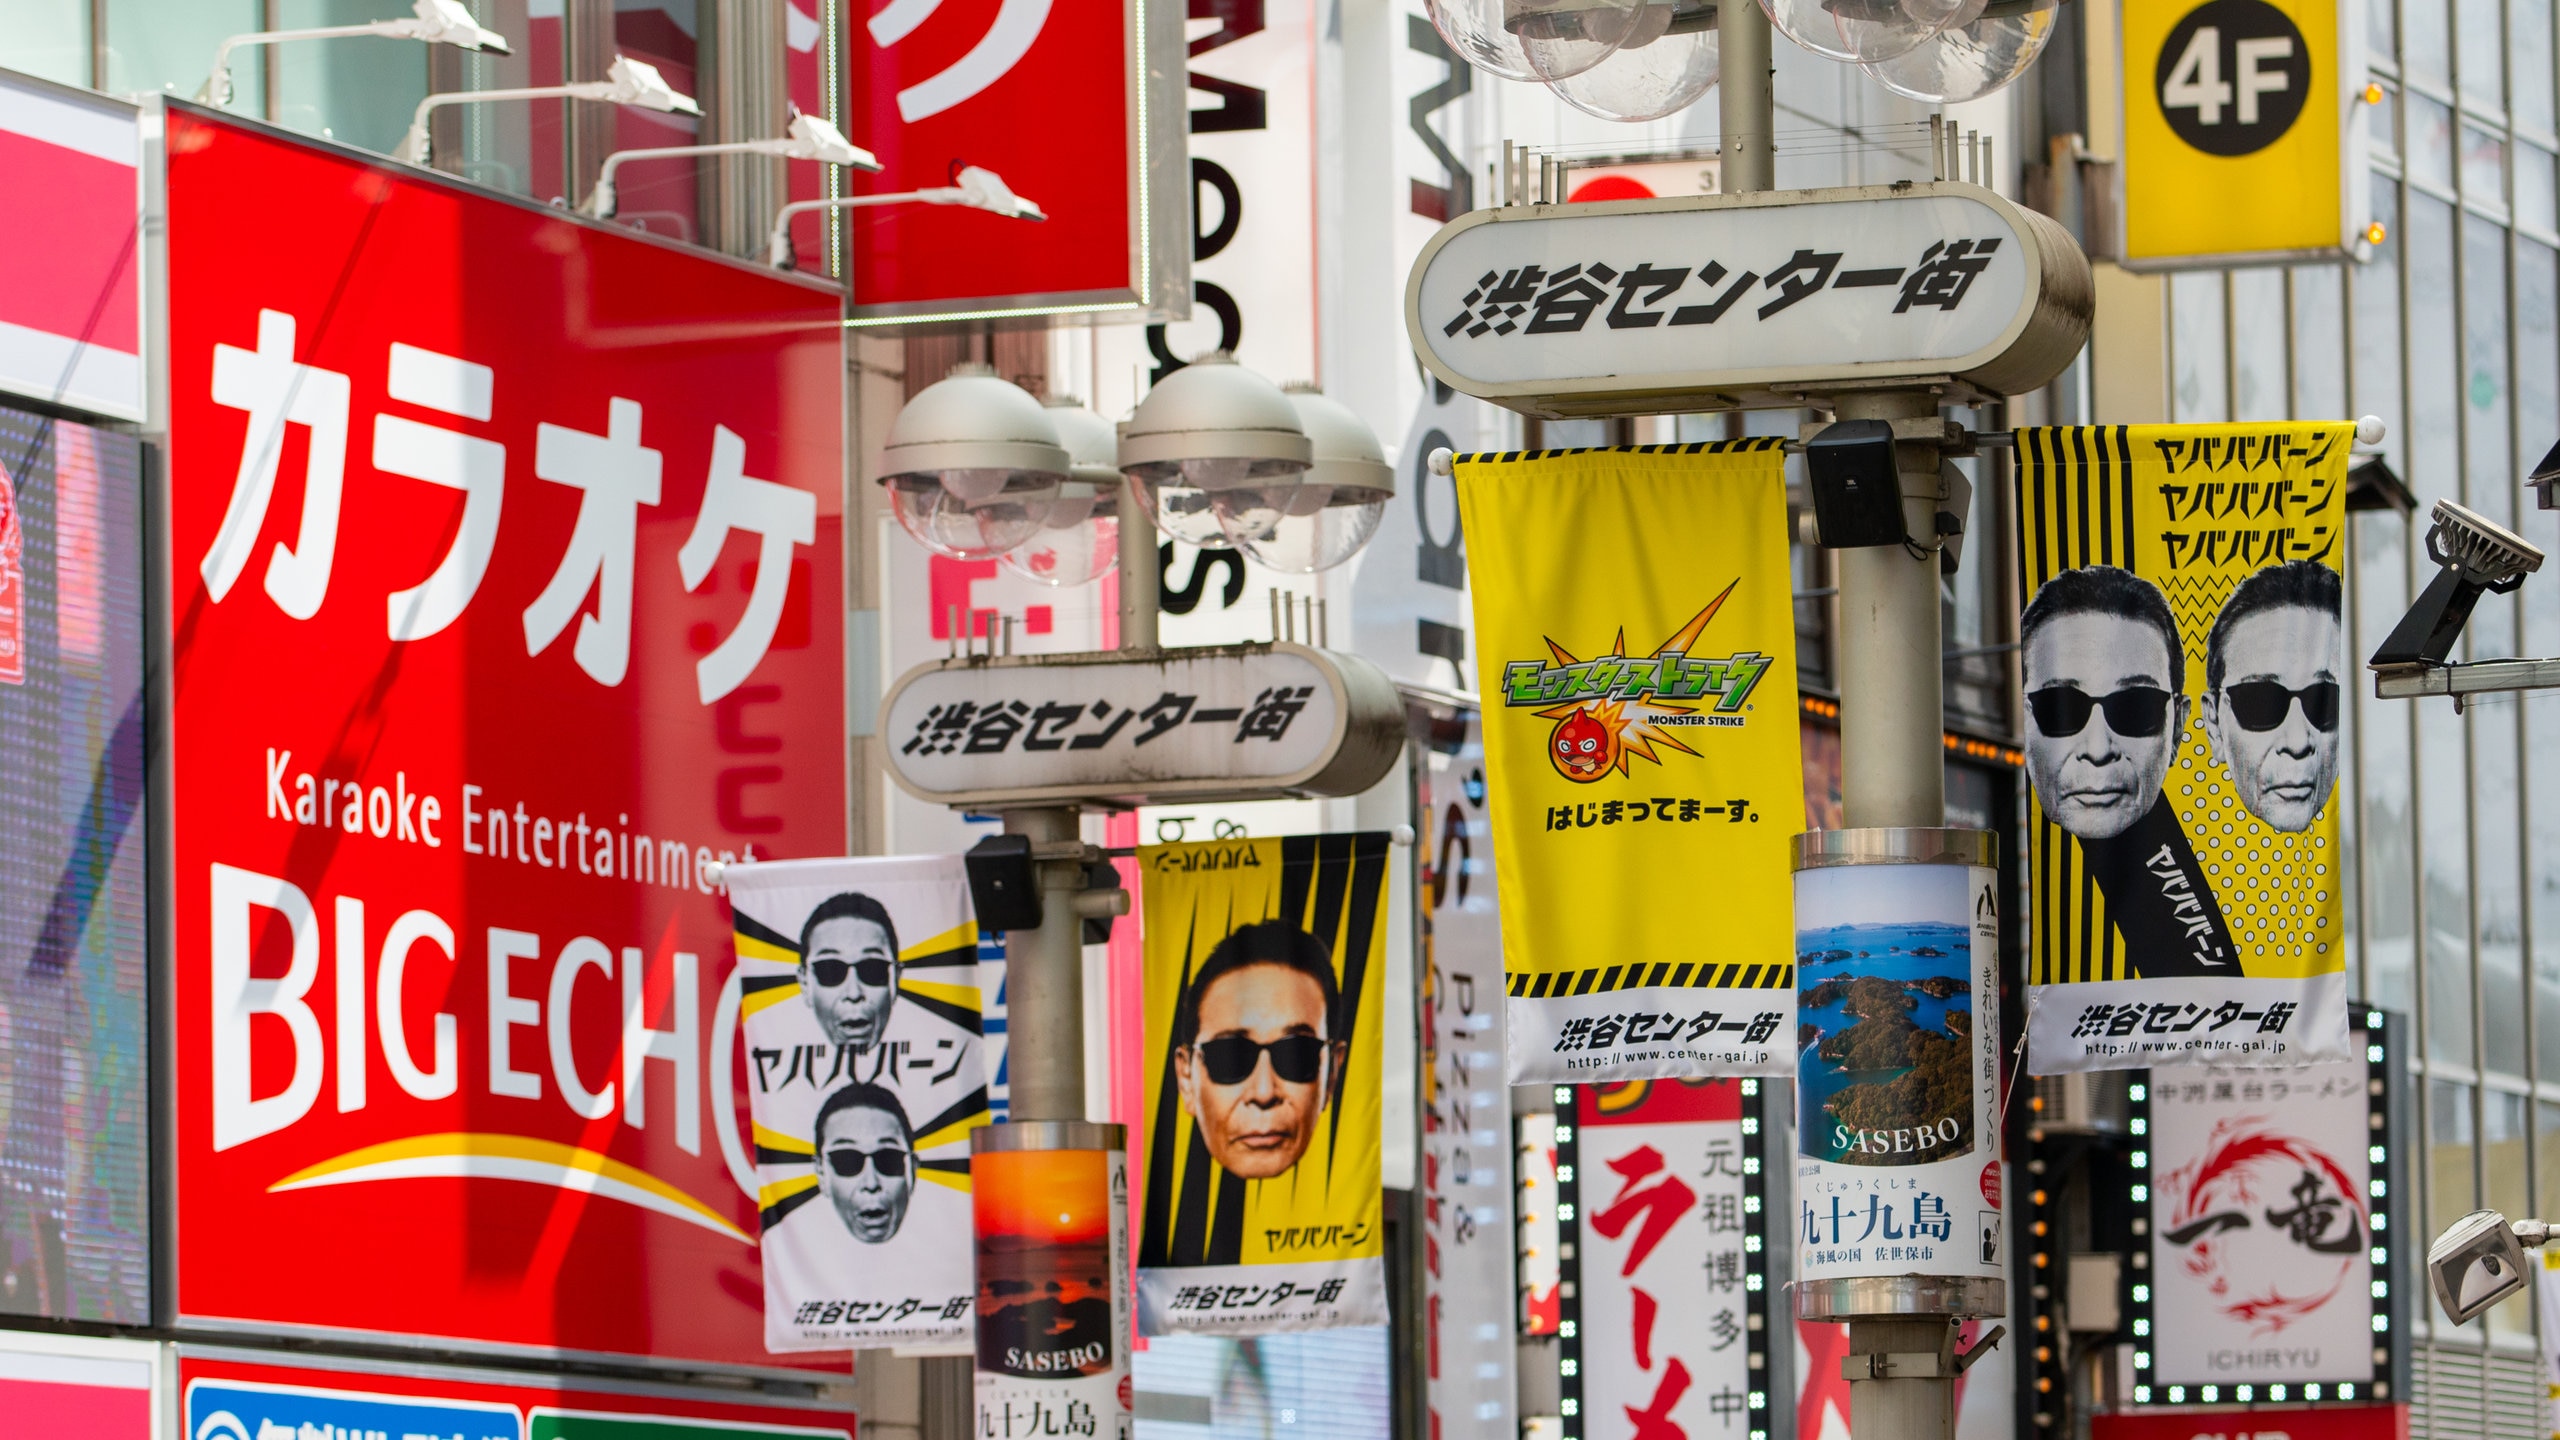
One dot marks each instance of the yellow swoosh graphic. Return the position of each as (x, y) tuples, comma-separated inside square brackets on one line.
[(963, 996), (767, 1139), (960, 936), (480, 1156), (751, 948), (764, 1000), (770, 1195)]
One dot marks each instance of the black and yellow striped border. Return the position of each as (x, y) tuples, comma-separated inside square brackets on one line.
[(1664, 974)]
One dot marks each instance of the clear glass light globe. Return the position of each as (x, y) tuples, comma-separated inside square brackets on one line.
[(1645, 82), (1078, 541), (1303, 545), (1972, 59), (1860, 31), (1561, 38), (1474, 29), (1181, 511), (946, 523)]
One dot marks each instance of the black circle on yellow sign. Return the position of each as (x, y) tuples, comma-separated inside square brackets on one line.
[(2233, 76)]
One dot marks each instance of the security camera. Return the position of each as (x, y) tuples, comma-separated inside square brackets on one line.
[(2479, 1261), (2478, 557)]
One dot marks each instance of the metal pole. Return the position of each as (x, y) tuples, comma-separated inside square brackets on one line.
[(1044, 978), (1892, 675), (1904, 1406), (1746, 103), (1141, 573)]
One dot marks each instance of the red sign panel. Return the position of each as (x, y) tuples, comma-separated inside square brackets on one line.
[(2271, 1422), (1053, 97), (505, 569)]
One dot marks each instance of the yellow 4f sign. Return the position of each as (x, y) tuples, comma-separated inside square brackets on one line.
[(2243, 131)]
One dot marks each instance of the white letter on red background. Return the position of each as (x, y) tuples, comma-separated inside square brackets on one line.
[(238, 1116), (619, 475), (446, 1077), (276, 392), (734, 500), (680, 1047), (575, 956), (476, 467), (508, 1010)]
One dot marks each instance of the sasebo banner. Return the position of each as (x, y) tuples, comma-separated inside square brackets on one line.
[(1643, 726), (1261, 1193), (859, 1001), (2184, 657)]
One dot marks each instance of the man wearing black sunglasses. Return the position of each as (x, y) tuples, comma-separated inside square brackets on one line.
[(2271, 690), (2106, 706), (1256, 1052), (849, 968), (2106, 699), (866, 1160)]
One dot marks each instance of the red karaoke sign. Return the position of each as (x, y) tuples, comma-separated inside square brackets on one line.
[(505, 576), (1078, 107)]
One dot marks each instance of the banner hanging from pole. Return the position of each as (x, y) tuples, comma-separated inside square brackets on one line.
[(1641, 753), (2185, 665), (1261, 1194), (858, 1000)]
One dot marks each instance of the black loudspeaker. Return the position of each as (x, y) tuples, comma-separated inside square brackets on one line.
[(1004, 886), (1857, 492)]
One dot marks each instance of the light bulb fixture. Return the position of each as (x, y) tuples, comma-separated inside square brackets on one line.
[(1319, 518), (1661, 77), (1079, 539), (808, 138), (973, 186), (973, 465), (1211, 425), (627, 82), (437, 22)]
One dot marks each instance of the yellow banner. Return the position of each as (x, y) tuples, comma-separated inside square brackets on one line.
[(1636, 645), (1261, 1136), (2183, 651)]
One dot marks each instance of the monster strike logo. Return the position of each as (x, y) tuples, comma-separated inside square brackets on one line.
[(1616, 707)]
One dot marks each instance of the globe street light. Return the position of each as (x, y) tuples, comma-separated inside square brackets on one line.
[(627, 82), (1317, 519), (1079, 539), (437, 22), (975, 186), (973, 465), (809, 138), (1211, 425)]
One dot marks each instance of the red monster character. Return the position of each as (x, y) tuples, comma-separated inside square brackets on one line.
[(1584, 747)]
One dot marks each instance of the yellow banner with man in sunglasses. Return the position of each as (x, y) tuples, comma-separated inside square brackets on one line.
[(1259, 1203), (2183, 650), (856, 1002)]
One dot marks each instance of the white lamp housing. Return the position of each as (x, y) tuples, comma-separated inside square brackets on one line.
[(1211, 425), (973, 465), (437, 22), (1325, 515), (1079, 539)]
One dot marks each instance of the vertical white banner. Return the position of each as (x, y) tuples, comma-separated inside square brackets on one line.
[(1466, 1174)]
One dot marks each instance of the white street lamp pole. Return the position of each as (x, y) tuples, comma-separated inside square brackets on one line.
[(438, 22), (629, 82), (978, 189)]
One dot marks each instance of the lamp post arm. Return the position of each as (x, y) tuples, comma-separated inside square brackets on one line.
[(216, 89), (601, 201), (414, 147), (778, 244)]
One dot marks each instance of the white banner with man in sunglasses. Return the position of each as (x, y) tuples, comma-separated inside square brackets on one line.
[(2184, 657), (859, 1007)]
